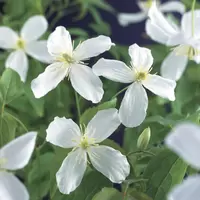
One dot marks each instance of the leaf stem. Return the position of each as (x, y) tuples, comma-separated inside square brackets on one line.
[(18, 120), (193, 22), (78, 106), (136, 152), (118, 93)]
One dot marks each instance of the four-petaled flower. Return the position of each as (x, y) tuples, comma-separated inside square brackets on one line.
[(184, 139), (129, 18), (110, 162), (184, 39), (70, 62), (13, 156), (25, 43), (135, 102)]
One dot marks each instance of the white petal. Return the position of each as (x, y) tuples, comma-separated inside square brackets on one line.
[(187, 24), (184, 139), (110, 162), (18, 61), (174, 66), (17, 153), (103, 124), (71, 171), (141, 57), (34, 28), (134, 105), (63, 132), (86, 83), (59, 42), (11, 188), (38, 50), (114, 70), (187, 190), (159, 23), (172, 6), (156, 33), (8, 38), (49, 79), (92, 47), (160, 86), (128, 18)]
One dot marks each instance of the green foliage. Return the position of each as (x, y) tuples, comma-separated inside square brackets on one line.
[(154, 169), (163, 172)]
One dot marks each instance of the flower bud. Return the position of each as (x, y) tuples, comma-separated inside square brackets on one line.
[(143, 139)]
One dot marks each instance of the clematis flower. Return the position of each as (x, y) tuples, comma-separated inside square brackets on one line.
[(134, 105), (13, 156), (184, 140), (129, 18), (110, 162), (69, 62), (25, 43), (185, 40)]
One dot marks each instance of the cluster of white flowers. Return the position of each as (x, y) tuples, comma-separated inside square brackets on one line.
[(67, 61)]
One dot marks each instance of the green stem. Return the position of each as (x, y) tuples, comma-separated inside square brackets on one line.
[(17, 120), (136, 152), (38, 160), (78, 106), (1, 119), (118, 93), (193, 22)]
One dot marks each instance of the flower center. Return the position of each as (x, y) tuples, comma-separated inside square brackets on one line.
[(86, 142), (2, 163), (187, 50), (65, 58), (20, 44), (146, 4), (140, 76)]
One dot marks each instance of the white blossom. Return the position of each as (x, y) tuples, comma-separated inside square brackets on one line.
[(69, 62), (110, 162), (13, 156), (129, 18), (134, 105), (26, 42), (184, 39), (184, 140)]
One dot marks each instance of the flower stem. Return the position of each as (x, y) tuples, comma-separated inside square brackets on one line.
[(193, 22), (137, 152), (118, 93), (78, 106)]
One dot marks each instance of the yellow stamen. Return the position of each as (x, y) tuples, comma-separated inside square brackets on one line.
[(187, 50), (65, 58), (20, 44), (140, 76)]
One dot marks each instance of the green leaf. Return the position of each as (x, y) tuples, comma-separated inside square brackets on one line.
[(10, 86), (108, 194), (164, 171), (91, 112), (7, 129), (38, 177)]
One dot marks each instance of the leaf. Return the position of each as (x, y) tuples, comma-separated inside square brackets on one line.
[(91, 112), (38, 177), (7, 129), (164, 171), (10, 86), (37, 104), (108, 194)]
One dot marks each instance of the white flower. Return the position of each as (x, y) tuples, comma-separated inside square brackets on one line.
[(25, 43), (110, 162), (184, 140), (13, 156), (135, 102), (69, 62), (185, 39), (129, 18)]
